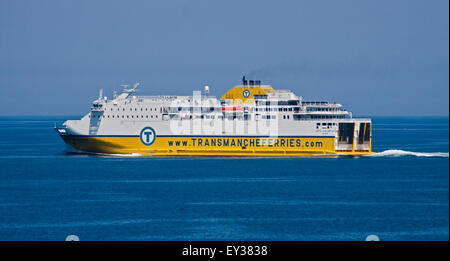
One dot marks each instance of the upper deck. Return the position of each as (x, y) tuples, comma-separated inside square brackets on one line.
[(249, 101)]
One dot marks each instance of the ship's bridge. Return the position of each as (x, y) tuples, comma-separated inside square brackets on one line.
[(247, 92)]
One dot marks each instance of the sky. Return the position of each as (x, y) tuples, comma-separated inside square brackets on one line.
[(376, 57)]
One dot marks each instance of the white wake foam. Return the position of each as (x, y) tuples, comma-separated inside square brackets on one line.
[(399, 153), (124, 155)]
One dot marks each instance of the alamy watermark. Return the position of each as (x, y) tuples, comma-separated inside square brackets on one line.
[(201, 115)]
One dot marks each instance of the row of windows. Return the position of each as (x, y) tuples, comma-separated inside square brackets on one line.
[(123, 116), (268, 117), (277, 109), (291, 102), (325, 125), (315, 103), (172, 116), (322, 109), (142, 109), (189, 117), (307, 117), (327, 117), (191, 109), (229, 117), (212, 109)]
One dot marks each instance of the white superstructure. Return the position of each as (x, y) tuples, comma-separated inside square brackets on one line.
[(247, 110)]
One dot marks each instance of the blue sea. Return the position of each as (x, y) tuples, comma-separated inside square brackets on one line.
[(48, 192)]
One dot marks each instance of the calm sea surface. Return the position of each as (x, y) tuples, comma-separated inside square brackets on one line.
[(402, 193)]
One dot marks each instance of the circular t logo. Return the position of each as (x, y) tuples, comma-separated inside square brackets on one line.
[(148, 136), (246, 93)]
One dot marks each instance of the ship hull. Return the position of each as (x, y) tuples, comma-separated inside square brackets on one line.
[(210, 145)]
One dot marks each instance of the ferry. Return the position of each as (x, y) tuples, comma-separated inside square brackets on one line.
[(251, 119)]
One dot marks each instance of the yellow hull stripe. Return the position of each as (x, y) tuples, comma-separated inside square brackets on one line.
[(209, 146)]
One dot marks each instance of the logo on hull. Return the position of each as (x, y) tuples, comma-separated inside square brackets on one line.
[(246, 93), (148, 136)]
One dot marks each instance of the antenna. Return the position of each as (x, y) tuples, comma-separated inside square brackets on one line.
[(100, 95), (244, 81), (130, 90), (136, 85)]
